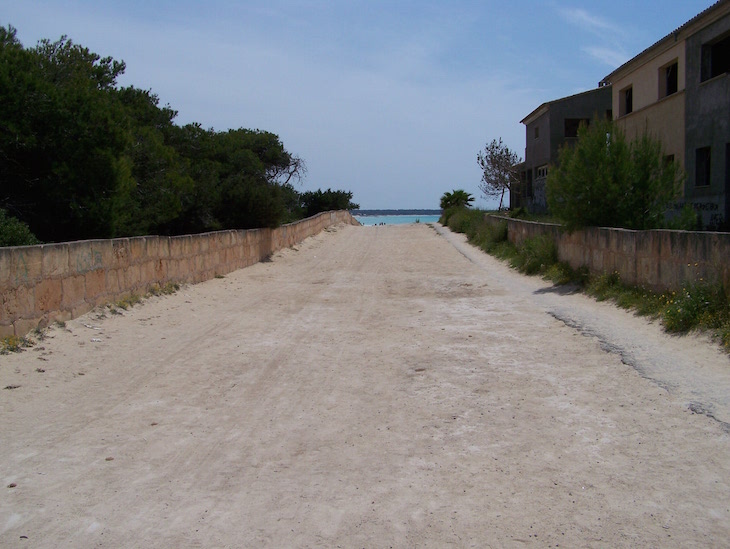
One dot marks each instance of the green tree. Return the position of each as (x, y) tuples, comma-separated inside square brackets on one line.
[(499, 174), (314, 202), (160, 181), (196, 147), (14, 232), (456, 199), (82, 158), (62, 135), (249, 163), (605, 180)]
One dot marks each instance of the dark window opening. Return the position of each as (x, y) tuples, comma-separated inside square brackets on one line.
[(669, 80), (573, 124), (715, 59), (537, 132), (669, 160), (702, 167), (626, 101), (529, 183)]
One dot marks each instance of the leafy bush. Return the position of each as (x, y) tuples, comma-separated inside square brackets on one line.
[(562, 273), (14, 232), (687, 220), (491, 239), (518, 213), (700, 304), (606, 181), (462, 220), (536, 255)]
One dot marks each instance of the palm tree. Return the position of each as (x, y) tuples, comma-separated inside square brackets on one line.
[(456, 199)]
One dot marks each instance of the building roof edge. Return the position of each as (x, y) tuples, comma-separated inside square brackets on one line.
[(608, 79)]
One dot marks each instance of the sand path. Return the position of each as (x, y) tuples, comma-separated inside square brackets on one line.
[(376, 387)]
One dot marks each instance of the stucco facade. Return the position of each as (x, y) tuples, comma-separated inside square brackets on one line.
[(653, 109), (674, 92), (708, 125)]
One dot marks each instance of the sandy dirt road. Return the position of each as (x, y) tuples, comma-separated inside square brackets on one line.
[(375, 387)]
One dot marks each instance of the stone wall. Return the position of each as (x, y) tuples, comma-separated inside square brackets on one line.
[(49, 282), (658, 260)]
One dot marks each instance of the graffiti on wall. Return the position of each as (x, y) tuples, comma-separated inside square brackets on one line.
[(88, 261), (709, 213), (21, 268)]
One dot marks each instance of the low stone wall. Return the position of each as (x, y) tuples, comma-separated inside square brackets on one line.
[(658, 260), (49, 282)]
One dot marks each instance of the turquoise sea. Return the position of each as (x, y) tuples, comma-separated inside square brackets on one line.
[(395, 219)]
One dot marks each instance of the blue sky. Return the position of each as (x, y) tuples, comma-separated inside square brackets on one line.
[(389, 99)]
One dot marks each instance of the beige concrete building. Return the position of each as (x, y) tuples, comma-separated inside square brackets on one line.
[(678, 90), (648, 93)]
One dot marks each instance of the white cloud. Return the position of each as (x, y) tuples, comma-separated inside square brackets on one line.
[(592, 23), (609, 56), (610, 37)]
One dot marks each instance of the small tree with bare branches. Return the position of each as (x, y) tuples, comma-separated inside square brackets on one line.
[(499, 173)]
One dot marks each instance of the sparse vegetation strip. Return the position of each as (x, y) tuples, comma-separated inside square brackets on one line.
[(699, 305), (16, 344)]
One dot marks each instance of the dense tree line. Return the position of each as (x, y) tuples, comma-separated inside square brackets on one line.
[(81, 157)]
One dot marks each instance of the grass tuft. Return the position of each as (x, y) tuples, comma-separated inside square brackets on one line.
[(14, 344)]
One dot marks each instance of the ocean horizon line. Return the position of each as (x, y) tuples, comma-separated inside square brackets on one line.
[(391, 212)]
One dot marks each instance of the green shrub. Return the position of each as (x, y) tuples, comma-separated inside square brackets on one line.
[(446, 216), (536, 255), (605, 180), (561, 273), (518, 213), (698, 305), (14, 344), (14, 232), (604, 286), (687, 220), (466, 221)]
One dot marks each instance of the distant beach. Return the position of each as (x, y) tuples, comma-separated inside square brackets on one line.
[(396, 217)]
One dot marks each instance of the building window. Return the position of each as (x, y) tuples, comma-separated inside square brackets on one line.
[(542, 172), (572, 125), (668, 80), (537, 132), (715, 58), (626, 101), (702, 167)]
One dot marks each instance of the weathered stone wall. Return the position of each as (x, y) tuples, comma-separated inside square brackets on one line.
[(658, 259), (41, 284)]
